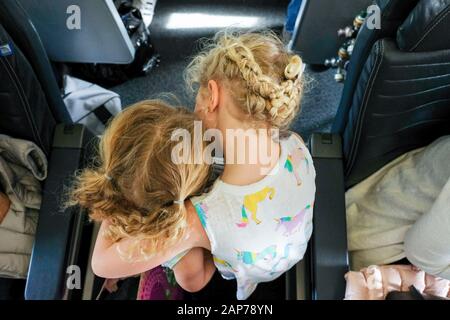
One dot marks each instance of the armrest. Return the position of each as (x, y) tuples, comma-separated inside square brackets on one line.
[(328, 250), (59, 231)]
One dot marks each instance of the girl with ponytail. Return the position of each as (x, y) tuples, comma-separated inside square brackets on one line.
[(141, 197)]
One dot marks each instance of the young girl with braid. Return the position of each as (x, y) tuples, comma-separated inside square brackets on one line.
[(255, 222)]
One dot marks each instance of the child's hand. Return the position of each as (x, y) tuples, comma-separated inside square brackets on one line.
[(5, 203), (195, 270)]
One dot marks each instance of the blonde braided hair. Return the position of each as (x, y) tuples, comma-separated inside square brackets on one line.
[(263, 78)]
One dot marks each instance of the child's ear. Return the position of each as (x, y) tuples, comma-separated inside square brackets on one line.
[(214, 95)]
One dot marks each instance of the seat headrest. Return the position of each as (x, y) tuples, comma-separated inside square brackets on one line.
[(427, 28), (395, 9)]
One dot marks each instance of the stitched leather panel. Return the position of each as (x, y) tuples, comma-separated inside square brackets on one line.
[(20, 28), (24, 110), (393, 13), (427, 27), (402, 102)]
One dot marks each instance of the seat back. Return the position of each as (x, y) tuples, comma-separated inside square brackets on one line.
[(24, 109), (401, 100), (393, 13), (30, 99)]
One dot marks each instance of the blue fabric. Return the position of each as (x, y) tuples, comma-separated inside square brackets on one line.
[(172, 262), (292, 13)]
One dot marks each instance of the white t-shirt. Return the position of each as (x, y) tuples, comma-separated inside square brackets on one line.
[(259, 231)]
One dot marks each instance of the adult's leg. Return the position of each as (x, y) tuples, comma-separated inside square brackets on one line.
[(427, 243)]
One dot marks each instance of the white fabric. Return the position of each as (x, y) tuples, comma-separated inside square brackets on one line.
[(382, 208), (82, 98), (259, 248), (147, 8)]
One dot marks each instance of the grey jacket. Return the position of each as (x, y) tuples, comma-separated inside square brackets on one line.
[(22, 166)]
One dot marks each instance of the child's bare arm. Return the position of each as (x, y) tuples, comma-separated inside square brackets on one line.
[(195, 270), (109, 262)]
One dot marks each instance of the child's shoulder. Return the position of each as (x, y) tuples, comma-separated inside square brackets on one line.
[(292, 138), (208, 195)]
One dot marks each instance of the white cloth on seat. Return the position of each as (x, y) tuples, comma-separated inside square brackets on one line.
[(383, 207), (147, 8), (82, 98)]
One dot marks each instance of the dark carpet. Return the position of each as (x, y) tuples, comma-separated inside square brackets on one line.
[(177, 46)]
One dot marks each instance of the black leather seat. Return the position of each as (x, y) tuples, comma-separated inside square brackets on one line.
[(15, 20), (400, 101), (393, 13), (396, 98), (41, 117)]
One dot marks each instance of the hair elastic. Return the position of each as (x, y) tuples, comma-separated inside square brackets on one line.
[(108, 177), (180, 202), (295, 68)]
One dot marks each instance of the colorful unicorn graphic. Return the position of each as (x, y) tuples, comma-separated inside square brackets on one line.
[(294, 161), (284, 258), (288, 165), (251, 205), (248, 257), (202, 210), (292, 222), (223, 263)]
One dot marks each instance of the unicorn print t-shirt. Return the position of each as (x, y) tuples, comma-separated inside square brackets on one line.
[(259, 231)]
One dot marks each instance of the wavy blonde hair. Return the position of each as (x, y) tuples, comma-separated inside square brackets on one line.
[(135, 182), (258, 71)]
